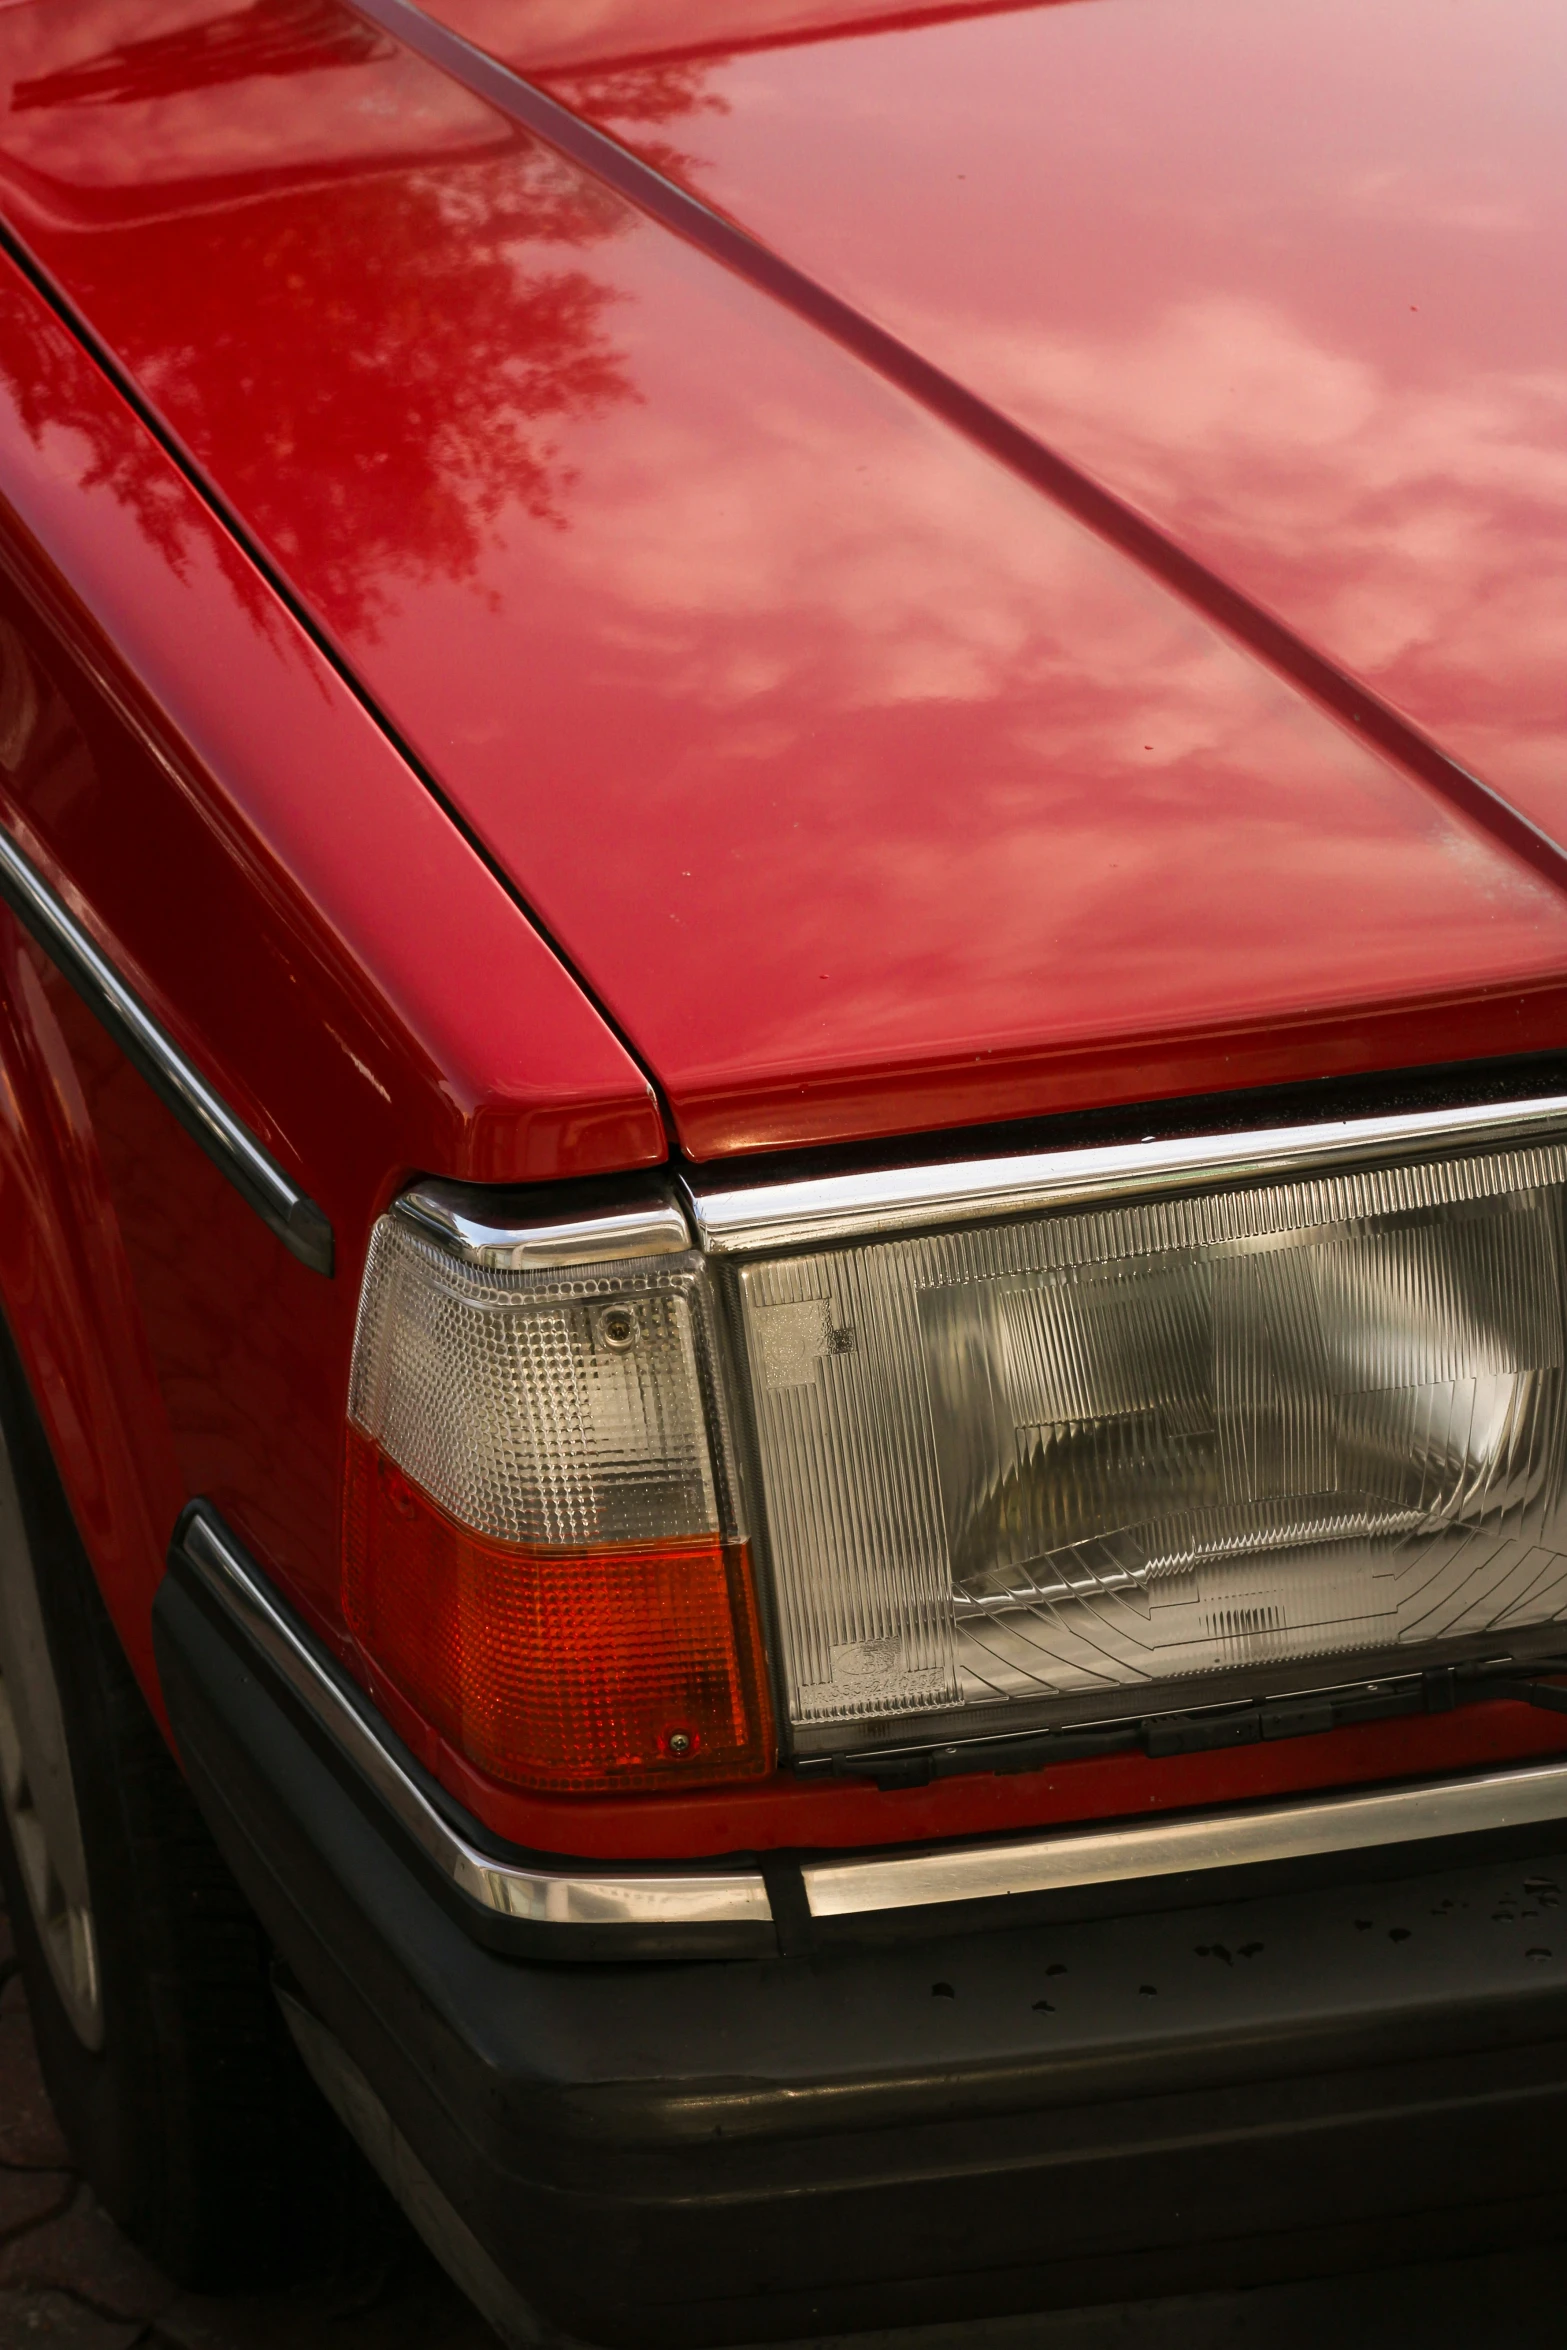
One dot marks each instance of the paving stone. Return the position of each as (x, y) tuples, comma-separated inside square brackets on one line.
[(408, 2304), (83, 2252), (412, 2307), (53, 2321), (30, 2136), (29, 2196)]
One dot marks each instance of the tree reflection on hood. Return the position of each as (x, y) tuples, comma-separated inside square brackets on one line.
[(445, 285)]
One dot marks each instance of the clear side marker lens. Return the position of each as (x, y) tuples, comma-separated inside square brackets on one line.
[(541, 1552)]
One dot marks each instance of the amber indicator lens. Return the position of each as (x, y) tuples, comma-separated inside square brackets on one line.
[(1092, 1454), (541, 1552), (556, 1670)]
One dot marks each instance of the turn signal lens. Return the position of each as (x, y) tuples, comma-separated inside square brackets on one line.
[(558, 1670), (541, 1551)]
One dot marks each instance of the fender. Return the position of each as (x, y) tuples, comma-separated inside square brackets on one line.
[(70, 1304), (188, 770)]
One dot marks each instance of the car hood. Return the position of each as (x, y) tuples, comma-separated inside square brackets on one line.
[(1081, 713)]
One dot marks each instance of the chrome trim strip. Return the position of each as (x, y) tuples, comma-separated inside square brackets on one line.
[(232, 1148), (474, 1226), (743, 1220), (539, 1896), (1404, 1814)]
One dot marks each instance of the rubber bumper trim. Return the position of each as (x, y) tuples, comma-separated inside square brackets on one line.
[(766, 2147)]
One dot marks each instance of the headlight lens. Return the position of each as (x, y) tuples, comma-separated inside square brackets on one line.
[(1052, 1466)]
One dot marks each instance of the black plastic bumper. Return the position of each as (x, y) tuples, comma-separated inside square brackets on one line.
[(699, 2153)]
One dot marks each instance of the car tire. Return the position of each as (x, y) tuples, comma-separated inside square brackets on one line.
[(147, 1975)]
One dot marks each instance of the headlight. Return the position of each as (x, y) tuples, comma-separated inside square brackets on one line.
[(1055, 1466), (1073, 1459)]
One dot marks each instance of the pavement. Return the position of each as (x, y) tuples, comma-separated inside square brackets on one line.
[(70, 2281)]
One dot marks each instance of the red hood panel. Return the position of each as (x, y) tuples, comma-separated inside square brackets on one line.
[(1291, 278), (552, 35), (867, 790)]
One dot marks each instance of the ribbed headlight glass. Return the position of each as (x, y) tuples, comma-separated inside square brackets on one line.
[(1056, 1466)]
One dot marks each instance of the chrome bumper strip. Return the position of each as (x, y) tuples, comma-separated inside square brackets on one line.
[(741, 1220), (231, 1147), (859, 1884), (1405, 1814), (613, 1897)]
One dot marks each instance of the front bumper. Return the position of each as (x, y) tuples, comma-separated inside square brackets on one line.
[(759, 2147)]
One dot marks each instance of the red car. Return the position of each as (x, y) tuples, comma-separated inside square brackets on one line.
[(783, 1052)]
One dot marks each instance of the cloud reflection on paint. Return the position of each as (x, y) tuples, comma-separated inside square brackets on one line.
[(1418, 531), (1290, 279)]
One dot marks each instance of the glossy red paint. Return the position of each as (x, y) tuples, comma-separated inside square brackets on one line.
[(1288, 279), (840, 1814), (542, 37), (869, 790), (508, 1075), (286, 896), (70, 1297)]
